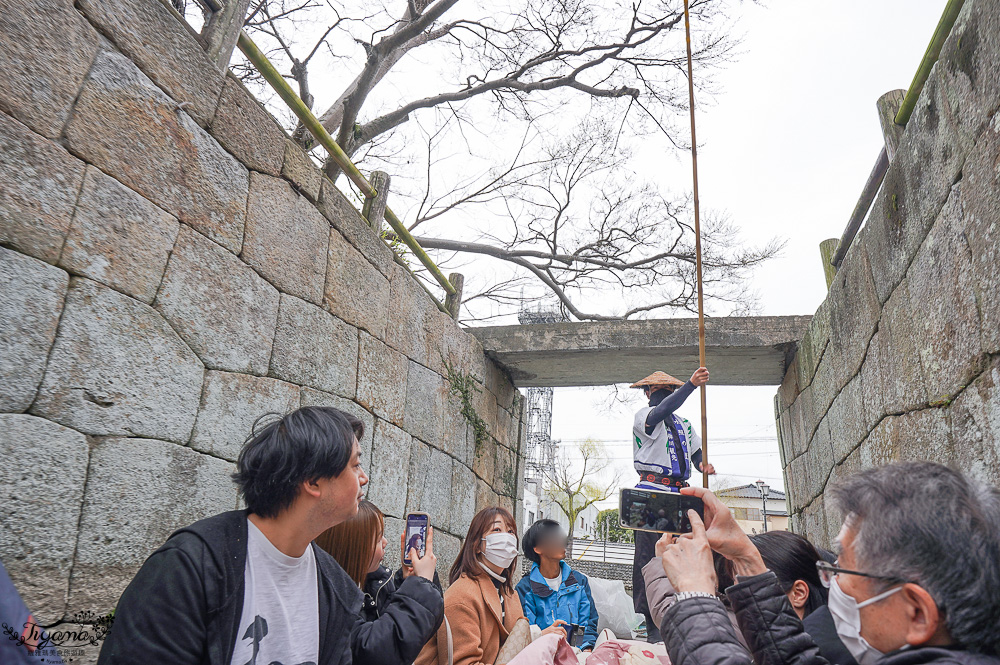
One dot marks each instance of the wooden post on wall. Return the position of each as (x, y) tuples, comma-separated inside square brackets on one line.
[(827, 249), (453, 303), (374, 208), (888, 106)]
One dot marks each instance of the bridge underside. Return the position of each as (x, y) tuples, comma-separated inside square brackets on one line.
[(740, 351)]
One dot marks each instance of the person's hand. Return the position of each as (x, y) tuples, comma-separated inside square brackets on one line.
[(708, 468), (555, 628), (700, 377), (688, 560), (424, 566), (662, 544), (725, 536)]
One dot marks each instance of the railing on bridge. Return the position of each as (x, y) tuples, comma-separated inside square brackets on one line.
[(894, 109), (221, 33), (601, 551)]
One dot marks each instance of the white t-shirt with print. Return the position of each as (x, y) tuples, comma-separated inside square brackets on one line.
[(280, 619)]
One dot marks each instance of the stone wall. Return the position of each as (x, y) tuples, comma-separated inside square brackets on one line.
[(173, 267), (604, 570), (902, 360)]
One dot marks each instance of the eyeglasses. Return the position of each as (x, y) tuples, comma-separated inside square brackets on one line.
[(828, 571)]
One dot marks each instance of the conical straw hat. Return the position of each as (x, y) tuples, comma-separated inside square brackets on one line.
[(657, 379)]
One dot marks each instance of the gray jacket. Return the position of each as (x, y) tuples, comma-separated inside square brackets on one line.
[(660, 595), (697, 631)]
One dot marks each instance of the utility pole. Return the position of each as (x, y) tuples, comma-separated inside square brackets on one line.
[(764, 489)]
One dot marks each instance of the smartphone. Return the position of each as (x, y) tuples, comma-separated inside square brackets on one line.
[(663, 512), (416, 535)]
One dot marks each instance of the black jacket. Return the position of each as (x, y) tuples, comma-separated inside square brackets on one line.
[(819, 624), (698, 632), (395, 623), (184, 604)]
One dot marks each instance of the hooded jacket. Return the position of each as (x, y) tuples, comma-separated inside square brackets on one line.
[(184, 604), (573, 602), (394, 624), (698, 632)]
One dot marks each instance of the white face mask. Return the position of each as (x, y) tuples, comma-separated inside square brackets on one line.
[(847, 618), (501, 549)]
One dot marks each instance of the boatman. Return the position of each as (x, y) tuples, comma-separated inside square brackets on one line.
[(665, 447)]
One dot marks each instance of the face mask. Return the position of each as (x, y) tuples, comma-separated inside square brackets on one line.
[(501, 549), (847, 618)]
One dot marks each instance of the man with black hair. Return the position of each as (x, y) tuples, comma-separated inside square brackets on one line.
[(554, 592), (249, 586)]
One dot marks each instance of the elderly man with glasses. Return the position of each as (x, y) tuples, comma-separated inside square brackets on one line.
[(917, 580)]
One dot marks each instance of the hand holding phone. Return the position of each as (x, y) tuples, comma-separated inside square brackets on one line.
[(662, 512), (418, 546)]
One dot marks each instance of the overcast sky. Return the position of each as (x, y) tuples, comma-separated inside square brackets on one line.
[(785, 150)]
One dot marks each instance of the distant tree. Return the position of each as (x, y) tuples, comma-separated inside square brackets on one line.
[(610, 528), (552, 202), (573, 482)]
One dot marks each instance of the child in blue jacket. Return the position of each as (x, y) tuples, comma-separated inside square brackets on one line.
[(553, 591)]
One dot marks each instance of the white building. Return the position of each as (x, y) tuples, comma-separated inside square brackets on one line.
[(538, 506), (747, 506)]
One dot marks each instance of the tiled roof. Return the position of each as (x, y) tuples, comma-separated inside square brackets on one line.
[(751, 492)]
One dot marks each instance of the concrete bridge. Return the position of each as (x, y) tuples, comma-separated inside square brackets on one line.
[(741, 351)]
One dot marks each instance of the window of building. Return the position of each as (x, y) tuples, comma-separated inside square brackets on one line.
[(747, 514)]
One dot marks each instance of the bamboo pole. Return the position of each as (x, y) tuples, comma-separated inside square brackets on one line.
[(941, 33), (697, 249), (280, 85)]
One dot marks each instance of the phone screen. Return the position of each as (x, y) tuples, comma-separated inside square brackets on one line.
[(416, 536), (665, 512)]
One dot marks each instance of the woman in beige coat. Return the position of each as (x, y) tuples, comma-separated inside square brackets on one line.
[(481, 606)]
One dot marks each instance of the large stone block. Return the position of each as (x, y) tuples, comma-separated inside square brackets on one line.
[(975, 426), (314, 348), (892, 375), (429, 484), (813, 522), (287, 239), (980, 209), (966, 68), (463, 498), (31, 299), (485, 496), (300, 170), (139, 491), (224, 310), (505, 475), (118, 238), (117, 368), (498, 382), (945, 321), (345, 217), (390, 464), (355, 291), (427, 400), (446, 548), (231, 404), (818, 460), (127, 127), (312, 397), (145, 31), (247, 130), (41, 508), (854, 312), (411, 328), (917, 435), (48, 48), (484, 458), (382, 375), (813, 344), (927, 163), (39, 184), (846, 419)]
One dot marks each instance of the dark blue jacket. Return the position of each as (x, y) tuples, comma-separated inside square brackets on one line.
[(573, 603)]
